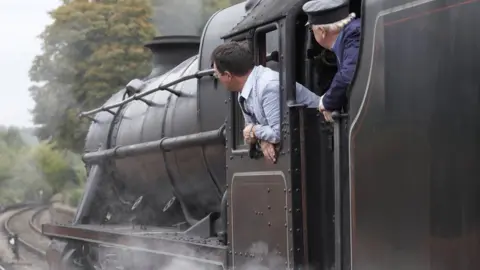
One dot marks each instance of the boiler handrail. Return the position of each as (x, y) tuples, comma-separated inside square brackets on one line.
[(165, 144), (198, 75)]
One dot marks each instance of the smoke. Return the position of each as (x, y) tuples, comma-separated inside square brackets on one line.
[(260, 258)]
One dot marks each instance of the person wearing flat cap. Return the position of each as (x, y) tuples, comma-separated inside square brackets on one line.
[(343, 38)]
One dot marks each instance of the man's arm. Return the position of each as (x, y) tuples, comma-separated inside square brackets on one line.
[(271, 107), (336, 94), (306, 97), (247, 119)]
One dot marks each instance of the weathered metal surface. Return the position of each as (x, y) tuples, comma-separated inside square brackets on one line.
[(268, 242), (414, 137)]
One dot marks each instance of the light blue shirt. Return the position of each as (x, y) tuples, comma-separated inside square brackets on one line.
[(262, 100)]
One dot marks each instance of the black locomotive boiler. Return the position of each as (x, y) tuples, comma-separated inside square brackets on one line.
[(391, 184)]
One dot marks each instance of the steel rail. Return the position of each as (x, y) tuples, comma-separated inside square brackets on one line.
[(25, 244)]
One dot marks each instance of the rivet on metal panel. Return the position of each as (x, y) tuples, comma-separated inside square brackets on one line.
[(226, 101), (290, 210), (297, 190), (298, 249), (269, 207), (289, 190), (298, 210), (285, 225), (285, 207), (298, 230), (231, 157), (284, 190), (290, 230), (228, 223), (268, 190), (269, 224)]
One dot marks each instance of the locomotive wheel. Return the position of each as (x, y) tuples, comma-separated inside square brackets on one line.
[(74, 259)]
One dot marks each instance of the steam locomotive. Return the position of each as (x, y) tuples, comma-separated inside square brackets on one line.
[(391, 184)]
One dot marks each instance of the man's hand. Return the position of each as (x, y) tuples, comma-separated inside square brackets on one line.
[(249, 134), (268, 150), (327, 115), (320, 104)]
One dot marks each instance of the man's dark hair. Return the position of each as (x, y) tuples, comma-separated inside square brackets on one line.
[(234, 57)]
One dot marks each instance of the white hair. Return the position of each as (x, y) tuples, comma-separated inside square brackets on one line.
[(338, 25)]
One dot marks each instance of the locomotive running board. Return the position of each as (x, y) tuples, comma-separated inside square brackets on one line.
[(157, 241)]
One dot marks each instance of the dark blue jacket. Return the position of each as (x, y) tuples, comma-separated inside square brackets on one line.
[(346, 49)]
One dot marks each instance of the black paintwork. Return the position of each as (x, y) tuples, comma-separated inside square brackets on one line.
[(414, 144), (265, 12)]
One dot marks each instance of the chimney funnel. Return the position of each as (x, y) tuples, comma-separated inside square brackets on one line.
[(169, 51)]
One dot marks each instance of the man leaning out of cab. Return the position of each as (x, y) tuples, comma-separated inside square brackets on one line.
[(343, 38)]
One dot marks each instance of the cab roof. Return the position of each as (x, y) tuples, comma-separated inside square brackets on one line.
[(265, 12)]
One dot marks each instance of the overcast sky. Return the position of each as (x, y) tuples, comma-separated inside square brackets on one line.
[(20, 24)]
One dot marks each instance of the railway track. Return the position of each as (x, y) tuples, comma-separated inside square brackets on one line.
[(30, 236), (25, 223)]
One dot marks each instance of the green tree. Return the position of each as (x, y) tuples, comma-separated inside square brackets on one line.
[(90, 51), (52, 166), (11, 146), (27, 166)]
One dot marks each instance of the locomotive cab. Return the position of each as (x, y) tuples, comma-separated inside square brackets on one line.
[(311, 166)]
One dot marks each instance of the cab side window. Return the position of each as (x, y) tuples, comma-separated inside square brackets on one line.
[(266, 51)]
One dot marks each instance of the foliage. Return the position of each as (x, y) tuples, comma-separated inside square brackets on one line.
[(74, 196), (26, 169), (90, 51)]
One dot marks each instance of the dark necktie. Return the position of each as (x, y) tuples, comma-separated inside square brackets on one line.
[(242, 106)]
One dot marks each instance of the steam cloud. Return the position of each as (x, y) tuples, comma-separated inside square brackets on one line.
[(264, 260)]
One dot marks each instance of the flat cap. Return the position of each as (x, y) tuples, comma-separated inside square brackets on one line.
[(316, 8)]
